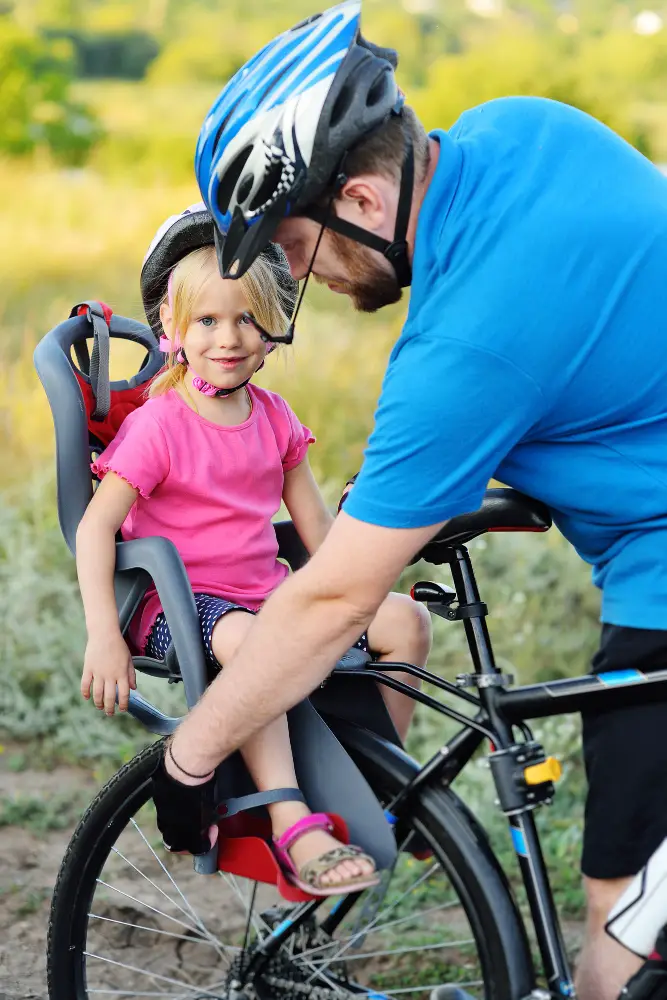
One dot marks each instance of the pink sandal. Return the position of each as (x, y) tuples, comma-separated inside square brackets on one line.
[(308, 879)]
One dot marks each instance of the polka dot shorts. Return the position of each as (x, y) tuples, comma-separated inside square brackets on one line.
[(210, 610)]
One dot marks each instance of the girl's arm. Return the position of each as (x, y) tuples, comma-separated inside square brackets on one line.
[(306, 506), (108, 662)]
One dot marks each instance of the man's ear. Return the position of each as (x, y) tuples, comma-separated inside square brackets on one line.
[(364, 200)]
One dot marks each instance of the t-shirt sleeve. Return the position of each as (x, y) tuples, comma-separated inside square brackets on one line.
[(299, 439), (447, 416), (138, 453)]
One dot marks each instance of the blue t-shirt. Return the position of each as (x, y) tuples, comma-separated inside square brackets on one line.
[(535, 348)]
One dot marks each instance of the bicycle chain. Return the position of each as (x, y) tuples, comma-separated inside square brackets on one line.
[(292, 989), (280, 987)]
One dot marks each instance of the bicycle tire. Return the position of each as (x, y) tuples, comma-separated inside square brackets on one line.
[(439, 817)]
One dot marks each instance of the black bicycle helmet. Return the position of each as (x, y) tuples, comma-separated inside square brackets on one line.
[(180, 235)]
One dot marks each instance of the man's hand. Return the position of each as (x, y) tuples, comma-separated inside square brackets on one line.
[(185, 813), (108, 667)]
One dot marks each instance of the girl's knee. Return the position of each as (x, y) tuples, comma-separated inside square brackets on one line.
[(415, 621), (401, 629), (228, 634)]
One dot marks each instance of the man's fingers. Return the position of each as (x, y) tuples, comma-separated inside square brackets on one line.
[(98, 692), (109, 697), (123, 694), (132, 676)]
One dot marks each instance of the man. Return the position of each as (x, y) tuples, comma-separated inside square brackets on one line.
[(535, 350)]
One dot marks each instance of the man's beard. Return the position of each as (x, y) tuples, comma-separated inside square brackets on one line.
[(371, 286)]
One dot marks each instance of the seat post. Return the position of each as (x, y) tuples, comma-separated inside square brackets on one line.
[(467, 592), (479, 641)]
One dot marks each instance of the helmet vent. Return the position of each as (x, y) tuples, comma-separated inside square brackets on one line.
[(269, 186), (230, 179), (306, 21), (378, 91), (342, 104), (244, 188)]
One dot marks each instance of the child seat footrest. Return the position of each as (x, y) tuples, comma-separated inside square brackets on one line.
[(244, 850)]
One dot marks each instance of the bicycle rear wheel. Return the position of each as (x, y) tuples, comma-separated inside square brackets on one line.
[(130, 920)]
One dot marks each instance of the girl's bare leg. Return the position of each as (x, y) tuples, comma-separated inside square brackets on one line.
[(401, 631), (268, 757)]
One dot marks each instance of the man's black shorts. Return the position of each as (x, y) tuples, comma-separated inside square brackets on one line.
[(625, 753)]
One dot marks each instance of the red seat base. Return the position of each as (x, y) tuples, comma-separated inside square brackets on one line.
[(243, 850)]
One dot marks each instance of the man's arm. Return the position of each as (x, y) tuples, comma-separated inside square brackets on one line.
[(300, 633)]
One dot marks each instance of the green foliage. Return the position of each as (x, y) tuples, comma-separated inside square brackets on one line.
[(42, 640), (39, 814), (121, 55), (210, 49), (523, 62), (37, 110)]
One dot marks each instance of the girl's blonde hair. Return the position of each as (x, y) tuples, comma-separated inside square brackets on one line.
[(260, 285)]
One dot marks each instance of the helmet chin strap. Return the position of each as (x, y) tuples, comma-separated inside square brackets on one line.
[(208, 389), (396, 250)]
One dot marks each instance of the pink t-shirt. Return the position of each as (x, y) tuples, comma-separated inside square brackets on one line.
[(211, 490)]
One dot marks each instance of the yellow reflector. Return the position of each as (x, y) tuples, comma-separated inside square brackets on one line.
[(548, 770)]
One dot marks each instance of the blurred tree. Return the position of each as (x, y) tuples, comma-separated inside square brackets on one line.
[(523, 62), (123, 55), (35, 76)]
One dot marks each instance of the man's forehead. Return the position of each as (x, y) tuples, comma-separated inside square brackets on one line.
[(292, 227)]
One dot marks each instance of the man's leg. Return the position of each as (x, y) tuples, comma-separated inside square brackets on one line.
[(625, 754), (604, 965)]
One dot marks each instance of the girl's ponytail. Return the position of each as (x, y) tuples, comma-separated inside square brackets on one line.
[(170, 377)]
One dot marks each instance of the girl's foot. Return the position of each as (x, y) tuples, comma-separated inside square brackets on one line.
[(306, 848)]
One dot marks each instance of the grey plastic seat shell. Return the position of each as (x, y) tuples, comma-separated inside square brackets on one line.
[(327, 775)]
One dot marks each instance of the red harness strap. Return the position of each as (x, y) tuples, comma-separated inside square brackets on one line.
[(122, 403), (110, 415)]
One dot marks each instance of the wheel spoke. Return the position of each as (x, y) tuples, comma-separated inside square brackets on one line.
[(182, 909), (154, 909), (405, 990), (350, 942), (256, 919), (411, 948), (383, 927), (203, 992), (164, 868), (155, 930), (134, 993)]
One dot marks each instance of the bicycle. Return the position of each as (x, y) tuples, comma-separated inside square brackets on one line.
[(119, 900)]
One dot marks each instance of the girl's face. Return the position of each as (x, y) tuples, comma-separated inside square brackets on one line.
[(221, 343)]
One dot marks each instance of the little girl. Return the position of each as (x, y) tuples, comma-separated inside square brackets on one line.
[(206, 462)]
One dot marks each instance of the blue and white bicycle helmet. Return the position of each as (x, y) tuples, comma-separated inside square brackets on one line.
[(276, 138)]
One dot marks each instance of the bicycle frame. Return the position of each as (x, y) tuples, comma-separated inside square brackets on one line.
[(498, 711)]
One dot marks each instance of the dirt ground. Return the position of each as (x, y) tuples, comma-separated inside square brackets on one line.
[(29, 862)]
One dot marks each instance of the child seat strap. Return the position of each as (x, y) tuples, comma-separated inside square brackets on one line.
[(99, 315)]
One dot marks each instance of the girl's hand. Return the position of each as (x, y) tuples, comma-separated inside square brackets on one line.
[(108, 666)]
